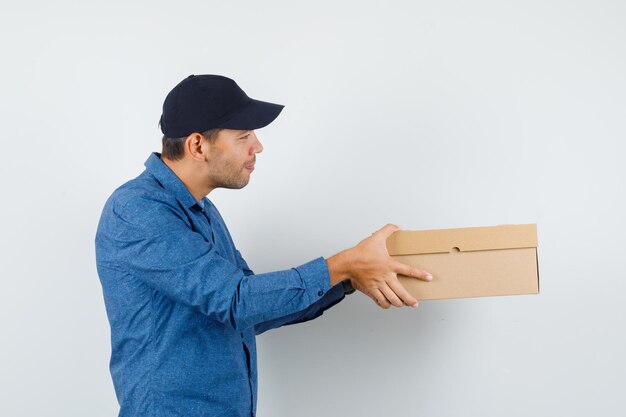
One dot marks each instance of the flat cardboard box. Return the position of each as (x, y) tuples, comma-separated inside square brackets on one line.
[(469, 262)]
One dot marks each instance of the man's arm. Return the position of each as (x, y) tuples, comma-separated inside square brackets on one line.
[(168, 256), (366, 267)]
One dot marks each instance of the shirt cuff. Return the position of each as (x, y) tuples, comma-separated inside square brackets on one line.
[(316, 278), (347, 287)]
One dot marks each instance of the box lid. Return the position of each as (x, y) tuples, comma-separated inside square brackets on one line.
[(510, 236)]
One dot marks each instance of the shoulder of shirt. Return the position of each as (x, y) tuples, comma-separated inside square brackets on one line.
[(142, 191)]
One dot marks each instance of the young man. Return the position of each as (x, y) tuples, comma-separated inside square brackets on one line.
[(183, 305)]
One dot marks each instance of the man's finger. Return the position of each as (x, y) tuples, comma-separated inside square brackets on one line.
[(411, 271), (391, 296), (401, 292), (380, 299)]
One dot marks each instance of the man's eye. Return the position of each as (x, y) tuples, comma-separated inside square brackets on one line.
[(244, 137)]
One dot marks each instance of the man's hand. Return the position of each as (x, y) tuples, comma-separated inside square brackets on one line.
[(373, 272)]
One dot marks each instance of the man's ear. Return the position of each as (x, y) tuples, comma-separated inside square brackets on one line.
[(193, 147)]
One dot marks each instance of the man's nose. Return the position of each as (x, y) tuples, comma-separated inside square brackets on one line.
[(257, 147)]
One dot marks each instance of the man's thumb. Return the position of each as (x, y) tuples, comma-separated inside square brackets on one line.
[(387, 230)]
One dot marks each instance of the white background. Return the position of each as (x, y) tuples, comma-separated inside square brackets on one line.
[(428, 114)]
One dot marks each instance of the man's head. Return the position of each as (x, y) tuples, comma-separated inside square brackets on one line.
[(208, 123)]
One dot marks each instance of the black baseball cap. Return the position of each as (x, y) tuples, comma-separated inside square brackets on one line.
[(202, 102)]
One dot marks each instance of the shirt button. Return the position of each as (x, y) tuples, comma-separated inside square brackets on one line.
[(320, 293)]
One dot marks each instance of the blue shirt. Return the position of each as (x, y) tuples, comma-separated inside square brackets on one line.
[(183, 305)]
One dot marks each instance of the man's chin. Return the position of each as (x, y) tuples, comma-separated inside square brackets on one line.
[(236, 186)]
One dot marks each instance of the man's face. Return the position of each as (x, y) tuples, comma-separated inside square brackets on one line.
[(231, 158)]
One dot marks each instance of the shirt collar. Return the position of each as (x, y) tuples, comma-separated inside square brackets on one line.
[(157, 168)]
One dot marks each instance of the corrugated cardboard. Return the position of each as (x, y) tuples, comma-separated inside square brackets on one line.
[(469, 262)]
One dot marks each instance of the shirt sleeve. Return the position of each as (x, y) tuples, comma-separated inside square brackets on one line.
[(331, 298), (157, 246)]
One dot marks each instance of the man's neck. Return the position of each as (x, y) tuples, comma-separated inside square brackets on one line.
[(187, 175)]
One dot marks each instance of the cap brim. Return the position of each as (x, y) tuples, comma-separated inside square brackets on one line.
[(254, 115)]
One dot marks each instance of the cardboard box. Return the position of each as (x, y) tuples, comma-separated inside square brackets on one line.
[(469, 262)]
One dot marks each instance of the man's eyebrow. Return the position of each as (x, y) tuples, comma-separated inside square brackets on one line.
[(244, 132)]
